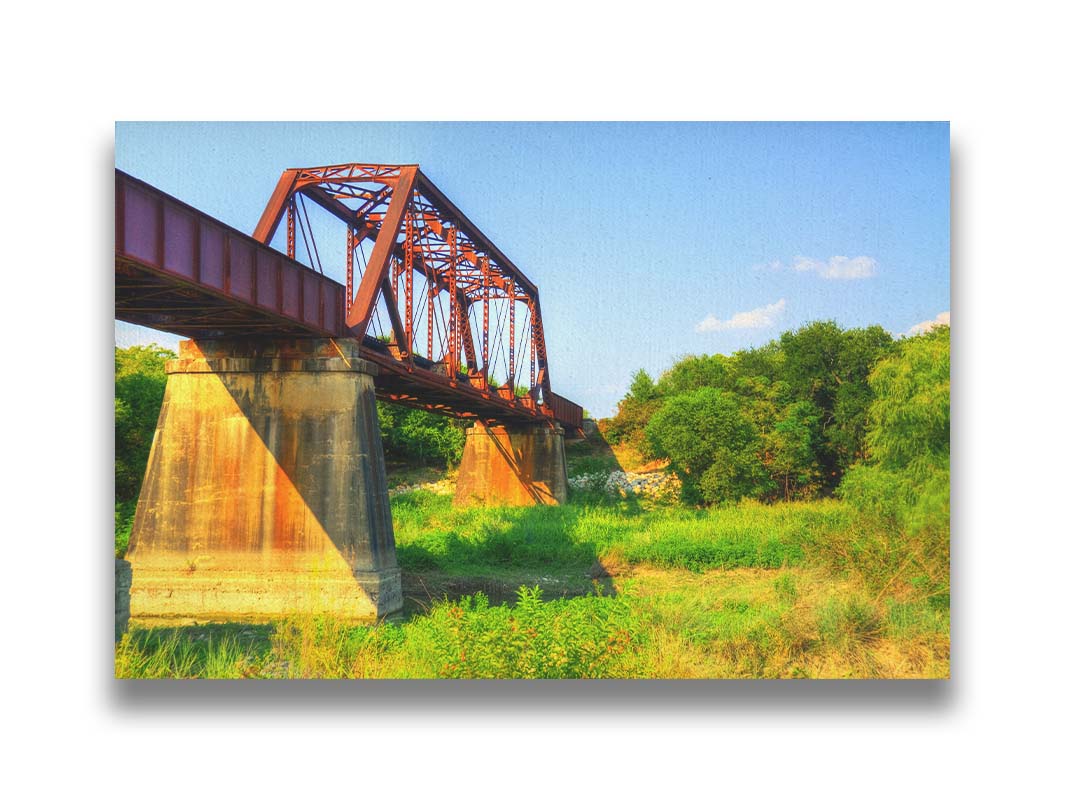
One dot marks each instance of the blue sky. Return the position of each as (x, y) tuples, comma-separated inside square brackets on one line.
[(648, 241)]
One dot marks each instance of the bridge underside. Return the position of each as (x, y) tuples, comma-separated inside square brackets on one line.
[(154, 299), (144, 296)]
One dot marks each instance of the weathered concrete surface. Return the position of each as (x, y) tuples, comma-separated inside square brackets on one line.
[(512, 465), (265, 492), (122, 597)]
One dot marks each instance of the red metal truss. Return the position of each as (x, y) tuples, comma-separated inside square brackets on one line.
[(179, 270), (416, 228)]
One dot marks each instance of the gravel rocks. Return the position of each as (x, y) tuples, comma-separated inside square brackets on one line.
[(654, 485)]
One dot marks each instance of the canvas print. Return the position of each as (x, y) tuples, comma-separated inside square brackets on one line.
[(532, 400)]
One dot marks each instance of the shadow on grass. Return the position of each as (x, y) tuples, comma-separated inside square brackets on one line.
[(423, 589), (203, 634), (495, 551)]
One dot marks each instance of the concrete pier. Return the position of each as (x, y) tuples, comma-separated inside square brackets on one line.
[(519, 465), (265, 493)]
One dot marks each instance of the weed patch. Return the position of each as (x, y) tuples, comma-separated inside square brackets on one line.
[(586, 637)]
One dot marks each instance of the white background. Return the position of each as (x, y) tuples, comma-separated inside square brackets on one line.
[(994, 71)]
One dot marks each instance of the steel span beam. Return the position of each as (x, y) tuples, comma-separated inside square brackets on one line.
[(179, 270)]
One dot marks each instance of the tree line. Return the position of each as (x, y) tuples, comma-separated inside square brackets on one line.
[(790, 419)]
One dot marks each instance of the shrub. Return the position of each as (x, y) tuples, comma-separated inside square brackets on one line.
[(411, 434), (712, 448)]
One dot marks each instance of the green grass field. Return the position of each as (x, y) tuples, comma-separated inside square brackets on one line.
[(602, 588)]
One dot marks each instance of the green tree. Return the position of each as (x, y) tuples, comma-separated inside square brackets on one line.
[(794, 447), (829, 367), (642, 389), (910, 411), (140, 380), (414, 435), (862, 348), (635, 410), (711, 446), (696, 372), (812, 363), (766, 362), (761, 402), (806, 395), (906, 479)]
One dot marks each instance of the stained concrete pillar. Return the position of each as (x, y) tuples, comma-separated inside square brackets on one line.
[(518, 465), (265, 493)]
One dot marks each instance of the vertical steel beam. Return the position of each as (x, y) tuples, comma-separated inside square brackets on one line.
[(485, 319), (395, 268), (511, 337), (349, 273), (533, 368), (290, 228), (409, 258), (431, 294), (453, 305)]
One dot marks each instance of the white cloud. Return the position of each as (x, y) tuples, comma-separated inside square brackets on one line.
[(762, 317), (928, 325), (840, 268)]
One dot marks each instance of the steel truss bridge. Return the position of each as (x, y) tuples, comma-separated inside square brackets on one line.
[(452, 324)]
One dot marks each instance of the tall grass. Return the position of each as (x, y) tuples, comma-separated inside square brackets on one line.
[(213, 651)]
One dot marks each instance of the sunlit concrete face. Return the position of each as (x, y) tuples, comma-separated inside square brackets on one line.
[(517, 465), (265, 493)]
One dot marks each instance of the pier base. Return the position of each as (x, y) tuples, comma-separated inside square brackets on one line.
[(265, 493), (518, 465)]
